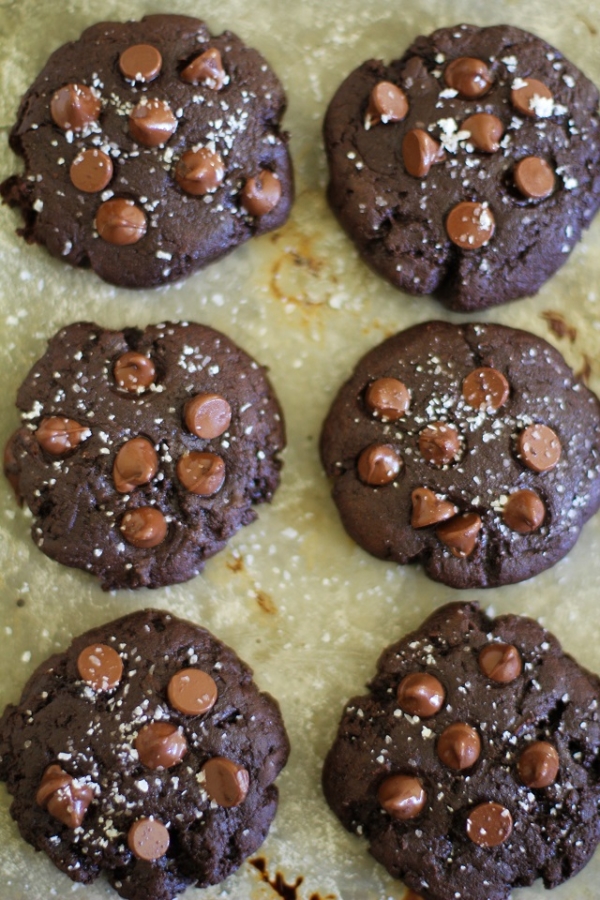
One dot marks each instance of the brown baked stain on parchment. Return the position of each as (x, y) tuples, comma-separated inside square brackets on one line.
[(559, 325), (284, 889), (297, 268), (585, 371), (266, 603)]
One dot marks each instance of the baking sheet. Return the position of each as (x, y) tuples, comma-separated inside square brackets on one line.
[(292, 594)]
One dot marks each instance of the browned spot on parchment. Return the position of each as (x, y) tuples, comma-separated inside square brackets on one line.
[(266, 603), (559, 325), (585, 370), (235, 563), (295, 272), (278, 883), (591, 28)]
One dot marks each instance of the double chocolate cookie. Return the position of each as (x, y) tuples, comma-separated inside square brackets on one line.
[(142, 452), (471, 767), (144, 751), (468, 167), (151, 148), (472, 449)]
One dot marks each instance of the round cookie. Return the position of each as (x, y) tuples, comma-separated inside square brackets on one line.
[(468, 167), (485, 782), (472, 449), (159, 786), (151, 148), (141, 452)]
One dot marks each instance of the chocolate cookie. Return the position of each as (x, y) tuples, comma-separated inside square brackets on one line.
[(472, 449), (468, 167), (142, 452), (147, 752), (151, 149), (471, 766)]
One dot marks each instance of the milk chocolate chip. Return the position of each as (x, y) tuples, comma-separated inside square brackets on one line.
[(57, 435), (460, 534), (439, 444), (470, 77), (261, 194), (100, 666), (538, 765), (121, 222), (387, 103), (160, 745), (402, 796), (489, 825), (429, 509), (201, 473), (485, 131), (532, 98), (152, 122), (144, 527), (387, 398), (534, 177), (524, 512), (459, 746), (227, 783), (420, 152), (470, 225), (148, 839), (91, 171), (420, 694), (74, 106), (378, 464), (134, 372), (485, 387), (192, 692), (539, 447), (206, 69), (500, 662), (65, 798), (207, 415), (140, 62), (200, 172), (136, 463)]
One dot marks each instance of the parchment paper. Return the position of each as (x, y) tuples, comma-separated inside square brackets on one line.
[(292, 594)]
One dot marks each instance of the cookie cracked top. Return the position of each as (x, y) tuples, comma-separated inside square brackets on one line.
[(469, 166), (472, 449)]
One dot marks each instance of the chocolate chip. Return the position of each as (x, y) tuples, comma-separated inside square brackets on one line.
[(524, 511), (470, 225), (470, 77), (402, 796), (200, 172), (121, 222), (227, 783), (91, 171), (136, 463), (261, 194), (74, 106), (57, 435), (65, 798), (538, 765), (148, 839), (192, 692), (140, 62), (485, 131), (429, 509), (420, 694), (387, 398), (100, 666), (534, 177), (439, 444), (160, 745), (500, 662), (207, 415), (206, 69), (532, 98), (459, 746), (144, 527), (460, 534), (420, 152), (539, 448), (201, 473), (387, 103), (489, 824), (485, 387), (152, 122), (378, 464), (134, 372)]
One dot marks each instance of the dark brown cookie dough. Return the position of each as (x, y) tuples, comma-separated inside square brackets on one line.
[(142, 452), (472, 449), (471, 766), (493, 118), (151, 149), (147, 752)]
